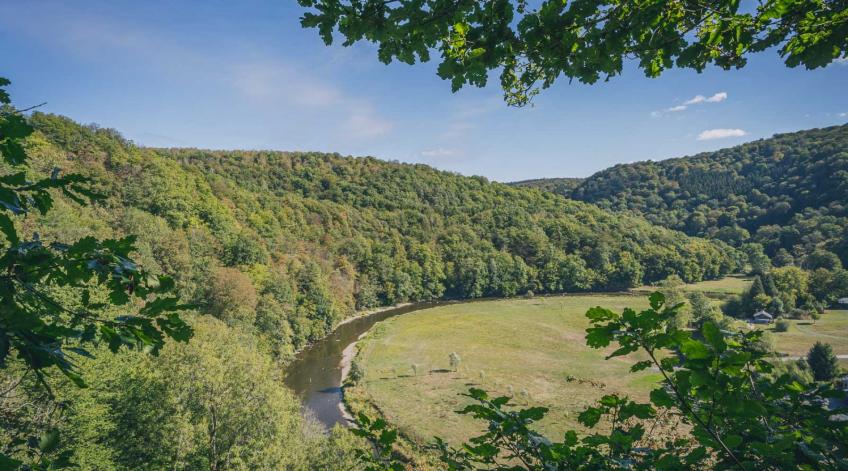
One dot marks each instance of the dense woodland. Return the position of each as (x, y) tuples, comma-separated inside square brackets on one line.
[(291, 243), (786, 193), (273, 249)]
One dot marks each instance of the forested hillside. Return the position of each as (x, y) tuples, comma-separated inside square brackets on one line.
[(290, 243), (788, 193), (560, 186)]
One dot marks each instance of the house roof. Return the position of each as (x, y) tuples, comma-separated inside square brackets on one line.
[(842, 300), (763, 314)]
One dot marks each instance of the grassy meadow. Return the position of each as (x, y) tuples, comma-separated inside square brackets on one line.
[(533, 349), (832, 328), (729, 285)]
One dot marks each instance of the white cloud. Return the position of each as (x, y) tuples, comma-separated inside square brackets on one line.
[(696, 100), (842, 115), (720, 134)]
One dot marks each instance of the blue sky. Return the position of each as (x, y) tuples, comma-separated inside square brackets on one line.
[(244, 75)]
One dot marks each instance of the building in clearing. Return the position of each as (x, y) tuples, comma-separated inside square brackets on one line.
[(842, 301), (762, 317)]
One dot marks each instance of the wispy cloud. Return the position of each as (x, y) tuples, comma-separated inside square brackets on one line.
[(438, 152), (246, 75), (364, 123), (695, 100), (843, 115), (467, 115), (698, 99), (271, 81), (721, 133), (273, 84)]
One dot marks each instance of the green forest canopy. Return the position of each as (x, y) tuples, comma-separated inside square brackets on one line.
[(532, 44), (788, 193), (293, 242)]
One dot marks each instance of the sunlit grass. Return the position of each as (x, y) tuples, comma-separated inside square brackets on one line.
[(532, 349)]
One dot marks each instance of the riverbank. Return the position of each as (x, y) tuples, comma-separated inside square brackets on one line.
[(371, 312), (348, 355), (315, 373)]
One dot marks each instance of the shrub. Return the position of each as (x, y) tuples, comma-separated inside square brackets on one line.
[(356, 372), (782, 325)]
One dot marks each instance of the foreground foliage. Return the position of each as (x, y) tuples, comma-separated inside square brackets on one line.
[(58, 298), (533, 44)]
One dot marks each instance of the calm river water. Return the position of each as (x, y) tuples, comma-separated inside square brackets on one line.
[(315, 374)]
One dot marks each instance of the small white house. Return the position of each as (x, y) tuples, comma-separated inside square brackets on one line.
[(762, 317), (842, 301)]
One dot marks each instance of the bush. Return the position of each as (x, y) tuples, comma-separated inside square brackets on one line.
[(782, 325), (798, 314), (356, 373)]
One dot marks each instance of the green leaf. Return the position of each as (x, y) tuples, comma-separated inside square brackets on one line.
[(661, 398), (732, 441), (388, 437), (657, 300), (7, 462), (641, 365), (590, 417), (714, 336), (8, 229), (49, 441), (694, 350)]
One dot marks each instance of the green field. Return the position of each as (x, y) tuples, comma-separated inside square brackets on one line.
[(734, 284), (535, 345), (832, 328)]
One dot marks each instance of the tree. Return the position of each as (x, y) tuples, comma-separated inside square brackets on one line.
[(231, 295), (823, 362), (822, 259), (58, 299), (759, 261), (672, 290), (587, 40), (703, 309)]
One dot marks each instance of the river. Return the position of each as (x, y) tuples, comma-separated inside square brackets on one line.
[(315, 374)]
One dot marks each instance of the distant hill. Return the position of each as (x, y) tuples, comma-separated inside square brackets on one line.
[(292, 242), (560, 186), (788, 193)]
